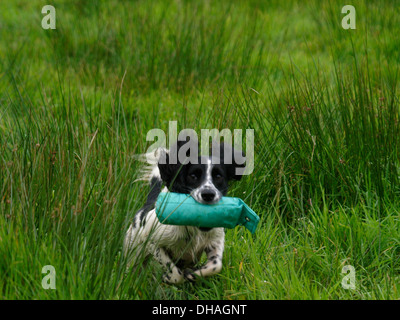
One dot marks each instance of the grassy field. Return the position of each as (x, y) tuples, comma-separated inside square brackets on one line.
[(77, 102)]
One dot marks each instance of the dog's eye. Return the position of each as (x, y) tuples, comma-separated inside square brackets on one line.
[(193, 176), (218, 176)]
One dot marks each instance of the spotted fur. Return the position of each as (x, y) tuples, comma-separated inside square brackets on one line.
[(179, 248)]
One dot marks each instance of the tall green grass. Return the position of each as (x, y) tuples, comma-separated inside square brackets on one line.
[(76, 104)]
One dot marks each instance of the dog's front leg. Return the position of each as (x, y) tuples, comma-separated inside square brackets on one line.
[(173, 275), (214, 262)]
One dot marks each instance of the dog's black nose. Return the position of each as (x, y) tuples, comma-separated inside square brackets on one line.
[(208, 196)]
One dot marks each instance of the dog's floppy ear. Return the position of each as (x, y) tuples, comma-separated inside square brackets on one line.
[(172, 161), (168, 169), (232, 160)]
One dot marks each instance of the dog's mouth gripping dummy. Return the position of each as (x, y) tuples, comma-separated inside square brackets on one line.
[(181, 209)]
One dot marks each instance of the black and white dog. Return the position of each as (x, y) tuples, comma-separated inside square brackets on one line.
[(179, 248)]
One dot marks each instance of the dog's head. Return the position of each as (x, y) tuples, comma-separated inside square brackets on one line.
[(206, 179)]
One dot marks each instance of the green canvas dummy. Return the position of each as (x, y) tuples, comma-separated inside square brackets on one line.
[(182, 209)]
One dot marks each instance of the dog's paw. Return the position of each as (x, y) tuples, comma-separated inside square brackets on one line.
[(175, 276), (190, 275)]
